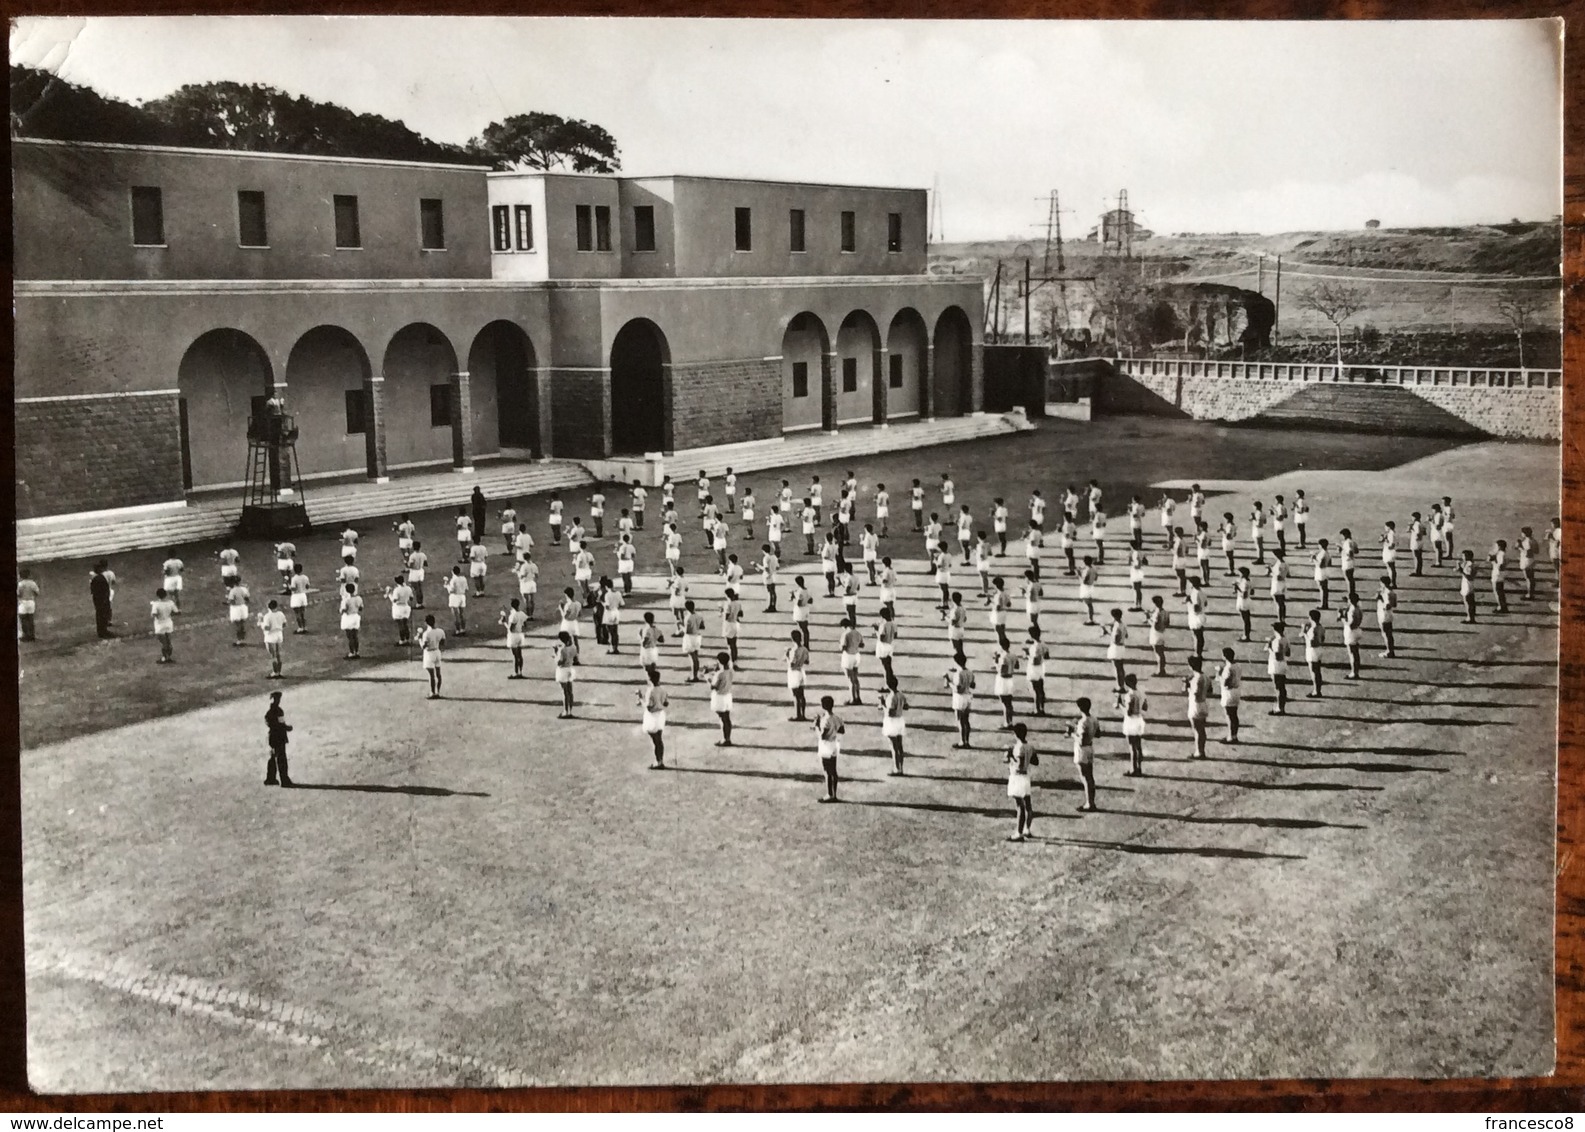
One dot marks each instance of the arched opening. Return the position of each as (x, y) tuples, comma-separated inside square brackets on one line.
[(858, 358), (220, 376), (954, 360), (504, 382), (326, 390), (640, 409), (907, 342), (803, 349), (419, 409)]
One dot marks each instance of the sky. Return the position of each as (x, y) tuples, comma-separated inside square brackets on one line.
[(1210, 127)]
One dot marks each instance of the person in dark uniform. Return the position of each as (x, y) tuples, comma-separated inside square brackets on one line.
[(477, 501), (275, 720), (99, 591)]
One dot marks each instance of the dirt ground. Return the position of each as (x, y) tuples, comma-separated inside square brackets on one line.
[(472, 891)]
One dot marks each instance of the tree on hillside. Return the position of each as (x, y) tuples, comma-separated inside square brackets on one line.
[(226, 115), (547, 141), (1336, 302), (44, 106), (1120, 297), (1518, 309)]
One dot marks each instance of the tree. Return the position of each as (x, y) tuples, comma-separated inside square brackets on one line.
[(1121, 297), (1337, 303), (226, 115), (547, 141), (1518, 308), (44, 106)]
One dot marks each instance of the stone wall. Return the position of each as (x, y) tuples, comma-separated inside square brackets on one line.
[(95, 454), (1513, 414), (579, 413), (1518, 413), (725, 402)]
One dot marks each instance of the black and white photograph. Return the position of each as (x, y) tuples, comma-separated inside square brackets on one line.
[(602, 552)]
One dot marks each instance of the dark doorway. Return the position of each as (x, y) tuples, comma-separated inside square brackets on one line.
[(187, 446), (503, 355), (639, 413)]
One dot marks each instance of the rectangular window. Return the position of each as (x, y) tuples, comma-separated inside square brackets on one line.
[(356, 420), (850, 375), (347, 234), (602, 228), (849, 241), (501, 228), (431, 224), (524, 216), (895, 377), (795, 230), (252, 231), (743, 229), (800, 379), (585, 228), (894, 231), (643, 227), (440, 406), (148, 216)]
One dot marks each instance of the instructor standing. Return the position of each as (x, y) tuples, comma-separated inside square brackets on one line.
[(275, 720)]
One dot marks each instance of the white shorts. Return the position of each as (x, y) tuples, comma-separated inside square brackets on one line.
[(828, 567), (654, 722), (1197, 710), (297, 601), (1004, 685), (173, 584), (795, 679), (1035, 672), (477, 569), (582, 575), (351, 621), (1086, 592), (1312, 656), (1230, 697), (237, 613), (829, 748), (1083, 756), (624, 567), (401, 612), (883, 512), (431, 660), (404, 544), (563, 675), (527, 588), (961, 702), (1018, 786), (673, 553), (1133, 726), (1350, 636), (691, 643), (284, 565), (885, 649), (869, 555), (1389, 554), (647, 657), (850, 661), (1114, 652), (269, 638), (1136, 577), (1157, 638), (514, 640), (27, 608), (349, 552), (893, 726), (230, 574), (1276, 668), (570, 628), (720, 701), (456, 601)]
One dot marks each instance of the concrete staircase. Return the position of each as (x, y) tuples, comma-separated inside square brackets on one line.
[(819, 448), (41, 540), (1364, 408)]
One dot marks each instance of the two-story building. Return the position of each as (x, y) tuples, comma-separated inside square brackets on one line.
[(416, 315)]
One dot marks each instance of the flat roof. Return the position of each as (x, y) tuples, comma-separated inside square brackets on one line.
[(258, 154), (706, 177)]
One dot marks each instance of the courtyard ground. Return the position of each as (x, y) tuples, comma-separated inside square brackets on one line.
[(472, 891)]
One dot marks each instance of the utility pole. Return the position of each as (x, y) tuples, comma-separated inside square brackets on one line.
[(1027, 303), (1277, 317), (1261, 285)]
